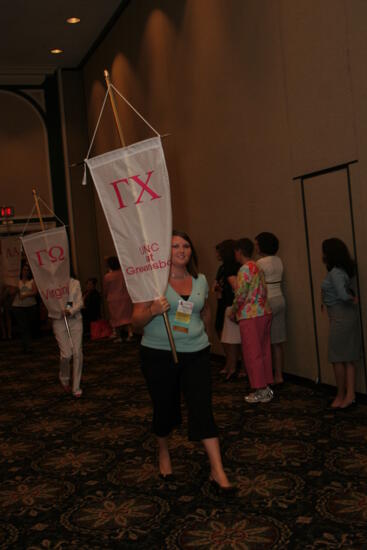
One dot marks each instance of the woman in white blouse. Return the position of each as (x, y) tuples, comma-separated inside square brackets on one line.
[(267, 245)]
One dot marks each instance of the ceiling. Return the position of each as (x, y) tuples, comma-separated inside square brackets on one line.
[(29, 29)]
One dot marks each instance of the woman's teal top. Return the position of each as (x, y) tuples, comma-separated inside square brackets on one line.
[(196, 339)]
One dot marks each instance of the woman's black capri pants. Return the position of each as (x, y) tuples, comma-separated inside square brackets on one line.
[(165, 380)]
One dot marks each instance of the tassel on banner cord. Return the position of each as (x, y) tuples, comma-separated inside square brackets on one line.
[(84, 180)]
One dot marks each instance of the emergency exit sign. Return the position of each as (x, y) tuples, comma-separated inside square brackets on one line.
[(6, 211)]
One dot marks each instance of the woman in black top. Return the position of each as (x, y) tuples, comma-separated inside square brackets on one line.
[(92, 304), (223, 287)]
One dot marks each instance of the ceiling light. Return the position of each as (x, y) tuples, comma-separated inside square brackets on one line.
[(73, 20), (56, 51)]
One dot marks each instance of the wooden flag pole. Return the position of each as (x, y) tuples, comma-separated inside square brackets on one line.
[(170, 337), (122, 139), (38, 209), (114, 109)]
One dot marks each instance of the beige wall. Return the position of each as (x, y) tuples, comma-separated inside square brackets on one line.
[(253, 93), (24, 160), (81, 200)]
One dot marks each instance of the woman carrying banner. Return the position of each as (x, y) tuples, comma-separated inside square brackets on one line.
[(188, 313), (68, 331)]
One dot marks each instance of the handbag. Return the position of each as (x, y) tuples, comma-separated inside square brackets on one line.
[(100, 329)]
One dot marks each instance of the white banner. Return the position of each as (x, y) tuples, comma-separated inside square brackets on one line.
[(10, 260), (133, 187), (48, 257)]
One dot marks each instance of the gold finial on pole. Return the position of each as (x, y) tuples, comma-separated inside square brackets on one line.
[(38, 209), (114, 109)]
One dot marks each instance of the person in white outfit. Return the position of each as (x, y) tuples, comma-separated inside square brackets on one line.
[(266, 245), (71, 349)]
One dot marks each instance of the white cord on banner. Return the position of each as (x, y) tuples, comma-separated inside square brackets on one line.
[(26, 225), (98, 121), (135, 111), (49, 209), (84, 180)]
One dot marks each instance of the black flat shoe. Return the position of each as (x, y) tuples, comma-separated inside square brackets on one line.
[(350, 405), (168, 482), (329, 406), (167, 477), (230, 377), (222, 491)]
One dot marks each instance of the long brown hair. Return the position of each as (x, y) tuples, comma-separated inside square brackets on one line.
[(226, 251), (336, 254), (192, 266)]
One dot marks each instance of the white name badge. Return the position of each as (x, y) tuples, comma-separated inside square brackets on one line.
[(182, 318)]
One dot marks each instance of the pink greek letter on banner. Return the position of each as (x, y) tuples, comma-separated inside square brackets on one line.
[(133, 187), (48, 256)]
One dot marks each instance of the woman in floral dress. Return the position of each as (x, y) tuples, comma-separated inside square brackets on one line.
[(252, 311)]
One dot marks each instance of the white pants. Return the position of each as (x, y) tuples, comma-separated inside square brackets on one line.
[(67, 350)]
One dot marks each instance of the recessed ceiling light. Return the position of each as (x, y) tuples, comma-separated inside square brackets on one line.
[(56, 51), (73, 20)]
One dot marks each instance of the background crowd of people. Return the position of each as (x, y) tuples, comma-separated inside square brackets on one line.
[(251, 316), (251, 311), (250, 323)]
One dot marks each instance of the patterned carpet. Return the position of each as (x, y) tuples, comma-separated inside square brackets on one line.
[(82, 473)]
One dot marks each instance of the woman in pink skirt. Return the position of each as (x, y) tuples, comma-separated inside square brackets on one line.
[(117, 297), (251, 310)]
